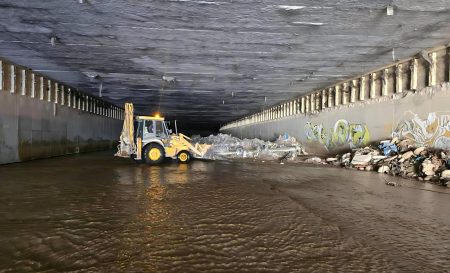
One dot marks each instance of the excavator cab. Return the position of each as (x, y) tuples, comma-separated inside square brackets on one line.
[(152, 141)]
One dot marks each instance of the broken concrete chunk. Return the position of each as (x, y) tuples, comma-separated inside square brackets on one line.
[(445, 175), (419, 150), (361, 159), (428, 168), (384, 169), (315, 160), (332, 159), (407, 155)]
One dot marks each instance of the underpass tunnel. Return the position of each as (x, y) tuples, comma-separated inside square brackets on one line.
[(224, 136)]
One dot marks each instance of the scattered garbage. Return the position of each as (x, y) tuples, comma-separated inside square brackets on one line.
[(398, 158), (392, 157), (285, 148)]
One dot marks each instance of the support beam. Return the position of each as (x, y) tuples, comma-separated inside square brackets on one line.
[(23, 82), (362, 88), (49, 90), (385, 83), (63, 95), (303, 106), (308, 104), (69, 98), (345, 93), (373, 83), (353, 90), (1, 74), (399, 79), (330, 97), (414, 71), (56, 92), (448, 64), (337, 95), (324, 99), (12, 79), (33, 85), (41, 88), (432, 75)]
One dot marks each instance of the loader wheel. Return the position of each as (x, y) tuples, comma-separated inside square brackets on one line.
[(184, 157), (154, 154)]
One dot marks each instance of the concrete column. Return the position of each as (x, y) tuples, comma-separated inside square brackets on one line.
[(63, 95), (23, 82), (373, 87), (324, 99), (303, 106), (399, 79), (317, 102), (385, 84), (41, 88), (12, 79), (362, 88), (432, 76), (330, 97), (308, 104), (414, 70), (337, 95), (33, 85), (1, 74), (353, 89), (345, 93), (448, 63), (312, 101), (69, 97), (49, 90), (56, 92)]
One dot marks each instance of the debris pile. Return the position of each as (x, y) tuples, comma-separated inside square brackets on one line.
[(397, 158), (228, 147)]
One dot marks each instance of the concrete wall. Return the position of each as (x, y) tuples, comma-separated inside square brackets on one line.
[(31, 128), (422, 116)]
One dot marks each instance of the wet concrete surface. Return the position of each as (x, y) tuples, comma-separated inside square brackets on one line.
[(97, 213)]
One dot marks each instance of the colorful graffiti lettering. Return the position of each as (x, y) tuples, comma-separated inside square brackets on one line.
[(434, 131), (343, 133)]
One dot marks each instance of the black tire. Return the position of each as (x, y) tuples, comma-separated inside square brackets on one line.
[(184, 157), (137, 160), (150, 154)]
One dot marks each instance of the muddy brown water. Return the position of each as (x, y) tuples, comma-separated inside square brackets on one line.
[(97, 213)]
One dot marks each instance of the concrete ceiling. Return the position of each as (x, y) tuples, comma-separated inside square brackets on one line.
[(228, 57)]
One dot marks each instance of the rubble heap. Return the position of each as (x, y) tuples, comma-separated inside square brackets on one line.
[(399, 158), (228, 147)]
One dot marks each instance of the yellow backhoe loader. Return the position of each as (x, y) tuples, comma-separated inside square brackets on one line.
[(152, 141)]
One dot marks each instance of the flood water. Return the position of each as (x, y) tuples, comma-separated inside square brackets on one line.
[(97, 213)]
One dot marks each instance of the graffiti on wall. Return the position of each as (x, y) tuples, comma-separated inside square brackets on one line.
[(432, 131), (343, 133)]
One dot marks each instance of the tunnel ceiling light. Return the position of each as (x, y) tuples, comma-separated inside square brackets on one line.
[(390, 10), (53, 40), (168, 79), (309, 23), (91, 74), (286, 7)]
